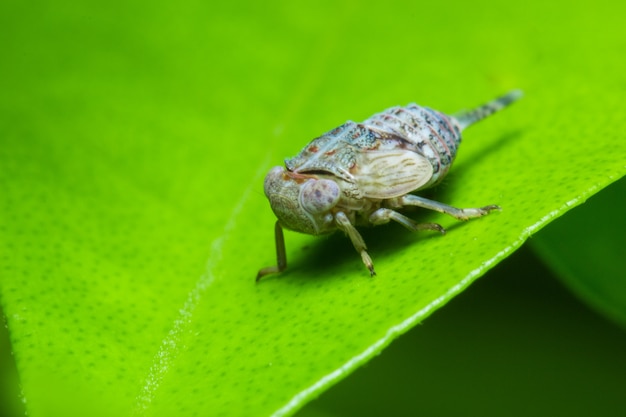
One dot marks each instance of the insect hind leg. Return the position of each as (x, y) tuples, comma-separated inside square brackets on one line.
[(384, 215), (457, 213)]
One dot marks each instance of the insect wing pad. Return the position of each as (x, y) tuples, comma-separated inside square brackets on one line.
[(391, 173)]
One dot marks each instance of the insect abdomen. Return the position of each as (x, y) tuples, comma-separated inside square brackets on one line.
[(434, 135), (431, 134)]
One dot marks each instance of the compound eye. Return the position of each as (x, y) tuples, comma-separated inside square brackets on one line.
[(318, 196)]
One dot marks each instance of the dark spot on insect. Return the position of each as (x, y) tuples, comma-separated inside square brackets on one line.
[(313, 148), (318, 193), (329, 153)]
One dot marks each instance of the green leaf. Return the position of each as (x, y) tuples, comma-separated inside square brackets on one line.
[(586, 249), (134, 139)]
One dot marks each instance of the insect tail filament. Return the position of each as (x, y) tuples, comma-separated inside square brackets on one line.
[(467, 118)]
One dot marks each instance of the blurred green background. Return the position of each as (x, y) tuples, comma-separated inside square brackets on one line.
[(129, 132)]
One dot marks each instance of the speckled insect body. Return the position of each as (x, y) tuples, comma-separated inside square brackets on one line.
[(361, 173)]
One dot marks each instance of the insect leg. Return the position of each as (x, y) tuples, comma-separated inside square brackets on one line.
[(461, 214), (359, 244), (281, 255), (384, 215)]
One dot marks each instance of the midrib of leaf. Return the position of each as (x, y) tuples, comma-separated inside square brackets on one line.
[(170, 347)]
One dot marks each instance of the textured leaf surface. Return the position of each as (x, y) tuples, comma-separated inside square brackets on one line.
[(134, 138)]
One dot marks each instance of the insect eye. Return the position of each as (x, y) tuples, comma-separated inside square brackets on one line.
[(318, 196)]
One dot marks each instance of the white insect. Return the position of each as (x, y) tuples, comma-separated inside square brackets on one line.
[(361, 173)]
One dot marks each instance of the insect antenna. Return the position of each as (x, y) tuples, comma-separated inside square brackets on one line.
[(467, 118)]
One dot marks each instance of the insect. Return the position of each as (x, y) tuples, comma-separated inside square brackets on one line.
[(362, 173)]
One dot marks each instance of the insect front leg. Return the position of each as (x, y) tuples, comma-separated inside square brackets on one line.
[(359, 244), (281, 255), (461, 214), (384, 215)]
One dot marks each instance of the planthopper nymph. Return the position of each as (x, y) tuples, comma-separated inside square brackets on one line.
[(362, 173)]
